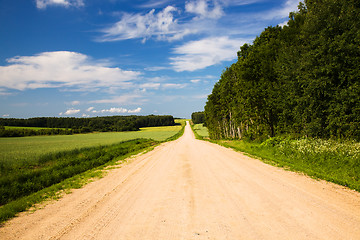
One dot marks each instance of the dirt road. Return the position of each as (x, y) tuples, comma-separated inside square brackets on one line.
[(191, 189)]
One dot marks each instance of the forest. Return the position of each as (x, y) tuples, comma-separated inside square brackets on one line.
[(198, 117), (301, 79), (72, 125)]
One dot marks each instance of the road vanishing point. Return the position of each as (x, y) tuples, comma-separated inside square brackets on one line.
[(192, 189)]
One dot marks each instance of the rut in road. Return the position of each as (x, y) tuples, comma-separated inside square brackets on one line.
[(191, 189)]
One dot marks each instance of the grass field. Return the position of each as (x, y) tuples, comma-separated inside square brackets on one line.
[(200, 130), (33, 169), (25, 149)]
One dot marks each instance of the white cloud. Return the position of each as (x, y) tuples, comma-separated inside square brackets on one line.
[(154, 69), (62, 69), (6, 115), (3, 92), (119, 110), (42, 4), (202, 9), (137, 110), (124, 99), (150, 85), (70, 112), (203, 96), (155, 3), (174, 85), (90, 109), (195, 80), (161, 25), (200, 54), (74, 103), (278, 13)]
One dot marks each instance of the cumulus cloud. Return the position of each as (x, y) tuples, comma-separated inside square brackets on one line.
[(70, 112), (200, 54), (42, 4), (90, 109), (62, 69), (137, 110), (161, 25)]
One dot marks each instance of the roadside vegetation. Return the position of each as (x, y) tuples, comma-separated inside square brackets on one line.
[(49, 165), (293, 96), (200, 131), (330, 160), (299, 80)]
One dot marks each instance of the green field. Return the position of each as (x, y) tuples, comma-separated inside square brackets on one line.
[(36, 168), (24, 149)]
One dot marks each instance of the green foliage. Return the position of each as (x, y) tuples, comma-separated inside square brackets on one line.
[(301, 79), (198, 117)]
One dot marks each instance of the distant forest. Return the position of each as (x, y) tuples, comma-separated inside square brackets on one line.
[(198, 117), (81, 125), (301, 80)]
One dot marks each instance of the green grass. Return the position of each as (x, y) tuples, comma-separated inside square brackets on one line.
[(21, 188), (200, 131), (27, 149), (330, 160)]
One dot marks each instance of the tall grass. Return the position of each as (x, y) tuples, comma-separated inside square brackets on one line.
[(16, 182)]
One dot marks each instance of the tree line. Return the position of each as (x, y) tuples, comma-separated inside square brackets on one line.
[(198, 117), (302, 79), (81, 125)]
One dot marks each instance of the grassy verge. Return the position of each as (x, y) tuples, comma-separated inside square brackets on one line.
[(330, 160), (200, 131), (323, 159), (26, 183)]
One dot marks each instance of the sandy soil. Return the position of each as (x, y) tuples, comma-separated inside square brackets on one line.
[(191, 189)]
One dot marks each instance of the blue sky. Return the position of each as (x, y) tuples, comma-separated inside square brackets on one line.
[(84, 58)]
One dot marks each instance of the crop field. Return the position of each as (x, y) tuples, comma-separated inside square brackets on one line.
[(30, 165), (24, 149)]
